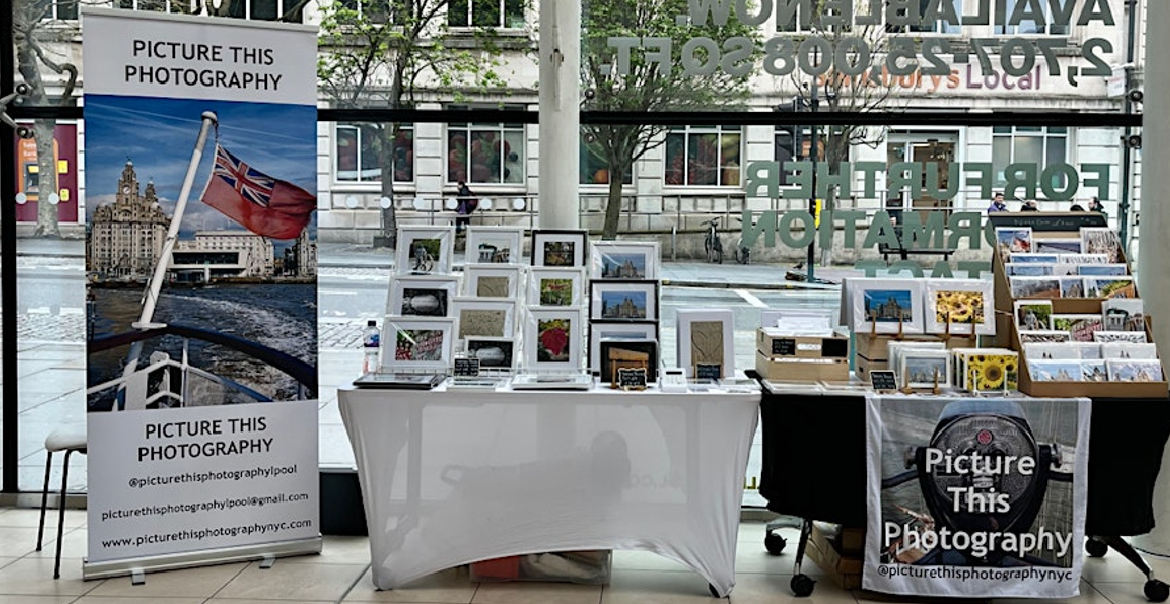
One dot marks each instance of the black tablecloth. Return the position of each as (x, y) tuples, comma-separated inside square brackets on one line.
[(813, 462)]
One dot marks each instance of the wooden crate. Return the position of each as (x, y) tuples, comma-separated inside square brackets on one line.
[(798, 369), (774, 344)]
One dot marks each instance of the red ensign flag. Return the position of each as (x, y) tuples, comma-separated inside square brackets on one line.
[(264, 205)]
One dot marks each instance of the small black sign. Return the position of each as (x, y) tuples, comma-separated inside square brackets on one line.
[(883, 380), (784, 346), (709, 372), (466, 367), (1048, 221), (632, 379)]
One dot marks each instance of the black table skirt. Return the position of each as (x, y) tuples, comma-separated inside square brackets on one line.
[(813, 460)]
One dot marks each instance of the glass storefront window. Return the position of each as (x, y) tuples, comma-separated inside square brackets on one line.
[(1032, 27), (1033, 145), (485, 153), (486, 13), (357, 158), (595, 168), (703, 156)]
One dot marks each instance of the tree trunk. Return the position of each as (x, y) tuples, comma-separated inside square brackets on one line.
[(389, 217), (47, 225), (613, 204)]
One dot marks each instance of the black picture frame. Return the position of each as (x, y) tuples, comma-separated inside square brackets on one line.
[(607, 366), (580, 250)]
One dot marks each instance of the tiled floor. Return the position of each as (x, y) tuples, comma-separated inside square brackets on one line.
[(341, 574)]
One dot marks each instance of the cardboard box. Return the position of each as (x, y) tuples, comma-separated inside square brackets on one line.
[(797, 369), (774, 344), (843, 569), (864, 366), (1008, 337)]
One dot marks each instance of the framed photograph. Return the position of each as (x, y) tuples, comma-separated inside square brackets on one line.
[(1030, 258), (706, 337), (1045, 370), (424, 250), (1102, 270), (1110, 287), (492, 281), (421, 295), (881, 305), (1072, 287), (967, 305), (484, 318), (549, 286), (1134, 370), (417, 343), (494, 354), (1056, 246), (992, 372), (1035, 287), (622, 299), (559, 248), (1044, 335), (552, 339), (616, 330), (627, 354), (636, 260), (494, 245), (1013, 240), (1080, 326), (1033, 314), (920, 368), (1102, 240)]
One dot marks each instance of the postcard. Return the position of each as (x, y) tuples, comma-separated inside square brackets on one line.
[(1033, 314), (1102, 270), (1129, 350), (1051, 350), (1094, 370), (1138, 337), (1045, 335), (1110, 287), (1035, 287), (1055, 371), (1124, 314), (1072, 287), (1035, 258), (1134, 370), (1056, 246), (1080, 326), (1012, 240)]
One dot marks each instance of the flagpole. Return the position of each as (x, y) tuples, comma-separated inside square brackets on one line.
[(145, 321), (150, 300)]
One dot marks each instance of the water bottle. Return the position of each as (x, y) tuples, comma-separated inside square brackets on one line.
[(371, 340)]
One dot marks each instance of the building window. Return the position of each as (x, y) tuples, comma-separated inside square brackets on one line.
[(595, 168), (938, 27), (486, 13), (255, 10), (374, 11), (1030, 145), (1029, 26), (485, 152), (357, 157), (703, 156), (64, 10), (787, 140)]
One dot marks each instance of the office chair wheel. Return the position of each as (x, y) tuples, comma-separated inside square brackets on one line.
[(1095, 548), (774, 543), (1156, 591), (802, 586)]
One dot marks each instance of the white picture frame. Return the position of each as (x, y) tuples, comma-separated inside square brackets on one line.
[(560, 353), (636, 260), (494, 245), (492, 281), (616, 330), (611, 299), (970, 302), (400, 338), (876, 304), (912, 362), (694, 327), (546, 286), (482, 317), (406, 297), (438, 243), (561, 249)]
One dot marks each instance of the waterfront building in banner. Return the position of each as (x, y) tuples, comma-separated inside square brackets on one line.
[(222, 254), (127, 235)]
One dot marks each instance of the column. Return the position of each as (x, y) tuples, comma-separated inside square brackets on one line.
[(560, 121), (1153, 278)]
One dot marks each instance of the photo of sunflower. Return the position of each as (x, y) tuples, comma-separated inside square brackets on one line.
[(964, 307), (992, 372)]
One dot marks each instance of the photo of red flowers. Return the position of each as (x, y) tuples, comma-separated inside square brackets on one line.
[(553, 340)]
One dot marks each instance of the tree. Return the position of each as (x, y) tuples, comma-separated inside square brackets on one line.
[(645, 86), (31, 38), (381, 58)]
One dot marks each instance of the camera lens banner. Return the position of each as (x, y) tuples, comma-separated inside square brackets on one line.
[(976, 497)]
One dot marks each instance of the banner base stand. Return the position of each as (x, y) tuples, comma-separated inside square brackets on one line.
[(261, 551)]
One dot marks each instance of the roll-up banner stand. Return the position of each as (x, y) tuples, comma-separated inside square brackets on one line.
[(200, 137)]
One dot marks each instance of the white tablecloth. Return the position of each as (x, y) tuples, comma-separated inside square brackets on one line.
[(454, 477)]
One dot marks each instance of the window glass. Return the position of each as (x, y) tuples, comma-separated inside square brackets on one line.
[(1031, 145), (357, 157), (485, 153), (486, 13), (703, 156), (1029, 26)]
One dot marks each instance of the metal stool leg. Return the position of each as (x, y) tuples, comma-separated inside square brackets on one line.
[(61, 515), (44, 500)]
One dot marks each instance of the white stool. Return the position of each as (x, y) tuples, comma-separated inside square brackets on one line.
[(69, 439)]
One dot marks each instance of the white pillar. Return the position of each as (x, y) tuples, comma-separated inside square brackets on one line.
[(560, 121), (1153, 278)]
